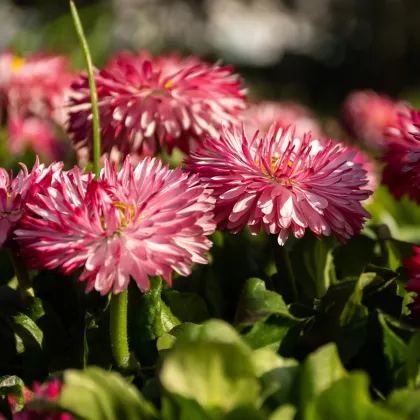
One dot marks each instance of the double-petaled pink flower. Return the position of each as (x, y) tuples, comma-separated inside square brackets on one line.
[(402, 156), (367, 115), (137, 222), (283, 184), (16, 191), (148, 103)]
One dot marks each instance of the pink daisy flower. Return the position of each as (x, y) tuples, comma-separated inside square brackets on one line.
[(38, 85), (260, 116), (137, 222), (283, 184), (15, 192), (50, 392), (146, 103), (367, 114), (37, 134), (402, 156)]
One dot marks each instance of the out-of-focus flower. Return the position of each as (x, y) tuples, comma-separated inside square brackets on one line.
[(47, 392), (144, 221), (367, 114), (370, 166), (146, 103), (413, 284), (37, 134), (6, 67), (260, 116), (15, 192), (283, 183), (36, 85), (402, 156)]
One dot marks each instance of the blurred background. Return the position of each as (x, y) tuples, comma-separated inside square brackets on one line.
[(311, 51)]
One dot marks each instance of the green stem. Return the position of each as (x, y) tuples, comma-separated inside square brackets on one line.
[(92, 86), (22, 275), (118, 329), (284, 280)]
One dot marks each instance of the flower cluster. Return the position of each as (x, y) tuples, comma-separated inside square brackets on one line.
[(33, 91), (136, 222), (283, 184), (148, 103)]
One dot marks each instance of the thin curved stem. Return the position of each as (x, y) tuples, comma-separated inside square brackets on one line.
[(92, 86)]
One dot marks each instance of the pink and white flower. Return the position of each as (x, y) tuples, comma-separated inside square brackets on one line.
[(283, 184), (15, 193), (148, 103), (136, 222)]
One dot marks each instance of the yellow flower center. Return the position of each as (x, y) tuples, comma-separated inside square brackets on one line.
[(125, 221), (17, 63), (169, 84)]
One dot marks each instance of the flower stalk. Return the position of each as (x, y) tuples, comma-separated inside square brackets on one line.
[(22, 275), (118, 330)]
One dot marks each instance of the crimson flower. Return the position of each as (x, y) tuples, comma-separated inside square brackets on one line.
[(412, 264), (402, 156), (283, 184), (137, 222), (148, 103)]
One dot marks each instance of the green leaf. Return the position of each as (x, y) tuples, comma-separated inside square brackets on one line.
[(149, 318), (395, 351), (28, 328), (277, 331), (413, 361), (277, 375), (348, 399), (285, 412), (214, 370), (257, 303), (13, 385), (95, 394), (188, 307), (318, 372), (406, 403), (244, 413)]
